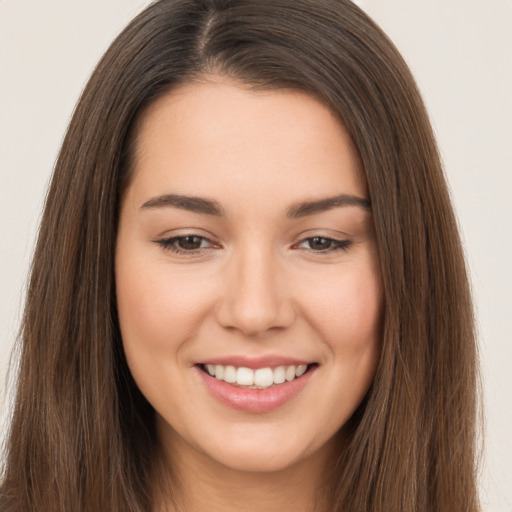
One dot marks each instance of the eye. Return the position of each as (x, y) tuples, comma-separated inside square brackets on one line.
[(324, 244), (185, 244)]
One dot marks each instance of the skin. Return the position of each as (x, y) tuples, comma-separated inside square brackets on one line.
[(255, 286)]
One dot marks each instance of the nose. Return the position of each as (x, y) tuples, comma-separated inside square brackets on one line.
[(255, 297)]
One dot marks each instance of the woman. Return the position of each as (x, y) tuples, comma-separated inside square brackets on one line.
[(248, 290)]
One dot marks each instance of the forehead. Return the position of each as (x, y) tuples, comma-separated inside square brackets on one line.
[(219, 138)]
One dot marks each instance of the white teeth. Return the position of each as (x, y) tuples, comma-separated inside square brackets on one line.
[(219, 372), (300, 370), (279, 375), (290, 373), (230, 374), (261, 378), (245, 376), (264, 377)]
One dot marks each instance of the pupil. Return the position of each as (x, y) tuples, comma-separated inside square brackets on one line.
[(190, 242), (320, 243)]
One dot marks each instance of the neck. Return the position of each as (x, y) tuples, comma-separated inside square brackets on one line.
[(200, 483)]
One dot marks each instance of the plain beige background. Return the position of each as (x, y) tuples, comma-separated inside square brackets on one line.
[(461, 54)]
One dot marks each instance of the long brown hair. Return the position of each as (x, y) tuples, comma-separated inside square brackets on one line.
[(82, 436)]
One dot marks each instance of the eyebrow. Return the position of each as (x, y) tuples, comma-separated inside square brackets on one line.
[(328, 203), (190, 203), (210, 207)]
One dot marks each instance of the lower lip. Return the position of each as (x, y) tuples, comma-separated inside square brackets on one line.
[(255, 400)]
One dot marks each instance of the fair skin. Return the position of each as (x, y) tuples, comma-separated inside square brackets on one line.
[(260, 273)]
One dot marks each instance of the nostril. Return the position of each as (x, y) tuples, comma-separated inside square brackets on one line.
[(252, 318)]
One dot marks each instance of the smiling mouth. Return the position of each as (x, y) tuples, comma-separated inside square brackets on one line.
[(261, 378)]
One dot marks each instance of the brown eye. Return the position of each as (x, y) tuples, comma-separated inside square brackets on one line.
[(190, 242), (320, 244)]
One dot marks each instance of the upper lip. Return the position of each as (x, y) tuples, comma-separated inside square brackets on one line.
[(267, 361)]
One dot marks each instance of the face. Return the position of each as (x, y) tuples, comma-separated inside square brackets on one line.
[(248, 283)]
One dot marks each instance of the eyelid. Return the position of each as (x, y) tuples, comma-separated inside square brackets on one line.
[(168, 244), (336, 244), (325, 232)]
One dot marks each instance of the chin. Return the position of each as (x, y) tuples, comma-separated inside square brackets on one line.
[(262, 450), (256, 460)]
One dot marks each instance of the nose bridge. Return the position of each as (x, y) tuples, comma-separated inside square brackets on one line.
[(255, 297)]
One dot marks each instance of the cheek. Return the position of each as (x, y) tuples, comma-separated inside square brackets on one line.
[(346, 313), (143, 307), (159, 312), (154, 307), (142, 311), (348, 318), (347, 310)]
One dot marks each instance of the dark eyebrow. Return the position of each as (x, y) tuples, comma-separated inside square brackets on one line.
[(190, 203), (322, 205), (209, 207)]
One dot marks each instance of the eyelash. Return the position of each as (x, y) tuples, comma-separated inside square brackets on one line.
[(334, 244), (171, 244)]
